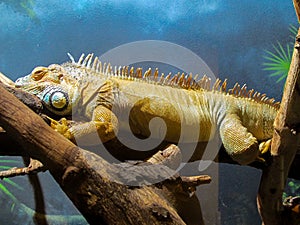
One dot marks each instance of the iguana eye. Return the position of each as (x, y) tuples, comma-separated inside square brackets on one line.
[(56, 100), (38, 73)]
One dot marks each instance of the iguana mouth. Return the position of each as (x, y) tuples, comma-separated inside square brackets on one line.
[(22, 81)]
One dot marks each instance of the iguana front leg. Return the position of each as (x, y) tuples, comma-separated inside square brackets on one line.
[(104, 125), (239, 143)]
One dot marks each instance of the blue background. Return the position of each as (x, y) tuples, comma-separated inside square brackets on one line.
[(230, 36)]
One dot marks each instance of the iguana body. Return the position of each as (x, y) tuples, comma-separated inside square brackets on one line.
[(110, 99)]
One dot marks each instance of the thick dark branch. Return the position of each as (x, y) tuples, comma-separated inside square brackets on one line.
[(94, 185), (284, 146), (12, 148)]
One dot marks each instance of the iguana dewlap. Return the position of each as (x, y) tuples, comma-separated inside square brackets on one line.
[(111, 99)]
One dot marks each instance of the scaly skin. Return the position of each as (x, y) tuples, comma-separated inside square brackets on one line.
[(192, 111)]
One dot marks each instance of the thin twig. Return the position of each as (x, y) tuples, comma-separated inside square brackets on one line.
[(34, 167)]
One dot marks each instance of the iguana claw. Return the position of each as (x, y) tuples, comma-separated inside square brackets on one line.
[(61, 127), (265, 146)]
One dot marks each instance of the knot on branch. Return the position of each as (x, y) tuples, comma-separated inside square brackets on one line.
[(170, 157), (160, 212), (71, 175)]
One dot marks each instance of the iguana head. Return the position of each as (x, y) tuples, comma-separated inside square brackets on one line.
[(54, 86)]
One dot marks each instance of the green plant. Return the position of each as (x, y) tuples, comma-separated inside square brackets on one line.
[(279, 61), (25, 7), (294, 31), (20, 211), (3, 188), (292, 188)]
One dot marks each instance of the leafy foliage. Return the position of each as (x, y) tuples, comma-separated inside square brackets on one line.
[(293, 30), (279, 61), (292, 188), (24, 7), (3, 188)]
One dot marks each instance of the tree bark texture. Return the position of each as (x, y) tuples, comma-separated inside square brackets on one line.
[(284, 146), (93, 185)]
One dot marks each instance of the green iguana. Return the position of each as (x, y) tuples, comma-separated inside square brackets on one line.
[(100, 93)]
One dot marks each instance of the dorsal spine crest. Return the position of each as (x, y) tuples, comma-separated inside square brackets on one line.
[(182, 80)]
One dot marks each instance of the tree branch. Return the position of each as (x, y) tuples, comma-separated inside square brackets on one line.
[(284, 146), (96, 187), (297, 8)]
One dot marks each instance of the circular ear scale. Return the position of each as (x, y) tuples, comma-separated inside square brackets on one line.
[(56, 99)]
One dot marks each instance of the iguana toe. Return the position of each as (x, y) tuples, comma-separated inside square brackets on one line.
[(105, 131), (61, 127), (265, 146)]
